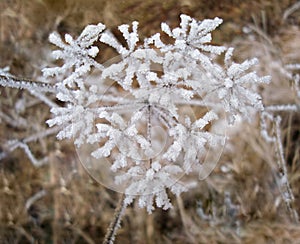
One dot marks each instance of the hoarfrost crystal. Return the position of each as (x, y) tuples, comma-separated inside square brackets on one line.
[(184, 73), (152, 90)]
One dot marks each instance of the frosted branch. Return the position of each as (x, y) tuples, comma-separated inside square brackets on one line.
[(284, 185), (13, 82)]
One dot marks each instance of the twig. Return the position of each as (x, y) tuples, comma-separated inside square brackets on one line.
[(115, 223), (13, 82), (186, 220), (262, 34), (284, 185), (23, 232), (34, 198), (291, 10), (12, 145), (285, 108), (19, 123), (80, 232)]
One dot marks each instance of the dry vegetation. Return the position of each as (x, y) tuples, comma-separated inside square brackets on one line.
[(73, 207)]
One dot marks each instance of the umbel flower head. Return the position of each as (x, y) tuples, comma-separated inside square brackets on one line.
[(152, 85)]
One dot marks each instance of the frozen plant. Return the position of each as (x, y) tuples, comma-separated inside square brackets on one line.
[(271, 132), (153, 84), (15, 117), (185, 73)]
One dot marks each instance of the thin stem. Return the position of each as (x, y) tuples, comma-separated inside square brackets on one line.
[(115, 223), (14, 82), (149, 125), (285, 108), (285, 187), (118, 107), (165, 115)]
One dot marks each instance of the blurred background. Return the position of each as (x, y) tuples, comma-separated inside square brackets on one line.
[(58, 202)]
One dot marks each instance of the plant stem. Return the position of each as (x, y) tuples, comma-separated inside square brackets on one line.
[(115, 223), (149, 127), (284, 185)]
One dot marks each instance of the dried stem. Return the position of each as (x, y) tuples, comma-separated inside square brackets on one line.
[(186, 220), (284, 184), (291, 10), (115, 223)]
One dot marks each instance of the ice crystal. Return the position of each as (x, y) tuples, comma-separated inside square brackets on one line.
[(151, 84)]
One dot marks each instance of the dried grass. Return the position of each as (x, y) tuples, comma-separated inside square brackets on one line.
[(75, 208)]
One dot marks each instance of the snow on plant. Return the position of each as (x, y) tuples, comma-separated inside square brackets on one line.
[(153, 84), (153, 80), (271, 132)]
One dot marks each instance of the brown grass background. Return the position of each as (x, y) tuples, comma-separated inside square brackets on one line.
[(76, 209)]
